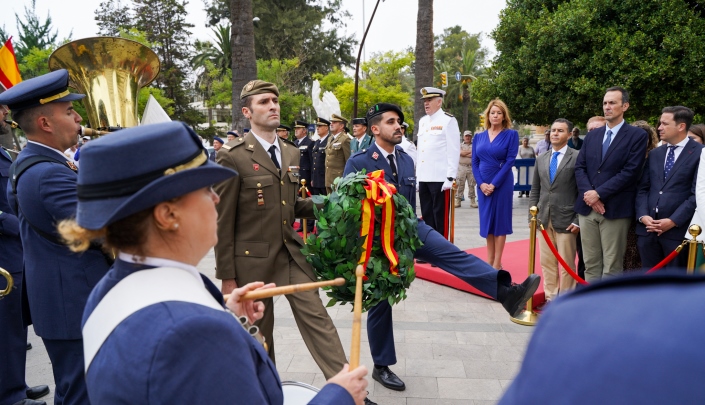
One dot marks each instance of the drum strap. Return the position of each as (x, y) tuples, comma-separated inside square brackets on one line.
[(135, 292)]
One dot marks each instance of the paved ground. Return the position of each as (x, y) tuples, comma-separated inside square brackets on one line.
[(452, 347)]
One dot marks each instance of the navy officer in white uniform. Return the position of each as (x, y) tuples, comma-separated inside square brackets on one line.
[(385, 122), (156, 331)]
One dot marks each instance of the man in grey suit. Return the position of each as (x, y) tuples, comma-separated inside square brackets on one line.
[(554, 191), (665, 201)]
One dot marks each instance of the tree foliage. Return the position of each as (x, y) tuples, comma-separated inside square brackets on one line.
[(556, 57), (113, 17), (32, 32)]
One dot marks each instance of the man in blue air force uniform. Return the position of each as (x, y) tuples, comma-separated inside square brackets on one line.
[(57, 281), (385, 123)]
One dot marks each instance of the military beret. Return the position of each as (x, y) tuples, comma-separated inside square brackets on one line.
[(283, 128), (322, 122), (246, 130), (430, 92), (258, 87), (49, 88), (300, 124), (216, 139), (233, 133), (359, 121), (381, 108), (338, 118)]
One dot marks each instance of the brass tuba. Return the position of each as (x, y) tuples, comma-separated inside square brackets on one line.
[(110, 72), (10, 282)]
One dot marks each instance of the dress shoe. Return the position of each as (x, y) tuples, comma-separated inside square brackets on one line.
[(28, 401), (387, 378), (514, 297), (421, 261), (29, 346), (37, 392), (369, 402)]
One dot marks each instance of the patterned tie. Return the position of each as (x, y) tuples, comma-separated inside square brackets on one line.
[(393, 166), (553, 166), (606, 143), (274, 156), (670, 161)]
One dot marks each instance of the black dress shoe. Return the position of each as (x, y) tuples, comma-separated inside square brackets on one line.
[(369, 402), (387, 378), (28, 401), (29, 346), (514, 297), (37, 392), (421, 261)]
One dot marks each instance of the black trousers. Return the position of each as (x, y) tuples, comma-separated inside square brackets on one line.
[(653, 249), (433, 203)]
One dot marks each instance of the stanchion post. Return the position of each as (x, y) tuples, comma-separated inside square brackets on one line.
[(695, 231), (528, 316), (453, 194), (304, 223)]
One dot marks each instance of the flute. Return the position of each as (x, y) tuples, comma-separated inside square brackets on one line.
[(287, 289)]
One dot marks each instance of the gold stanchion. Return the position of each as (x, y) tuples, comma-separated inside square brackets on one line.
[(10, 282), (451, 226), (528, 316), (357, 319), (694, 231), (304, 191)]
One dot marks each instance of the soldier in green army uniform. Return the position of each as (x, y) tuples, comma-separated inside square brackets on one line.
[(337, 150)]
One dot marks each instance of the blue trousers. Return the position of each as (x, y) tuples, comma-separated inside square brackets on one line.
[(13, 338), (653, 249), (67, 363), (439, 251)]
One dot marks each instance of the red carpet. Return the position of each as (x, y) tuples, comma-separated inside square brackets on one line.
[(515, 260)]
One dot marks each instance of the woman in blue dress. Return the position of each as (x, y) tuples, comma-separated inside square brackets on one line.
[(493, 154)]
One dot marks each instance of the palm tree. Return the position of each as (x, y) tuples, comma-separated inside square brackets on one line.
[(424, 54), (218, 53), (244, 63), (471, 71)]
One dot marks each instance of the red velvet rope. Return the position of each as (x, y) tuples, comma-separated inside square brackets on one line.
[(560, 259), (664, 261)]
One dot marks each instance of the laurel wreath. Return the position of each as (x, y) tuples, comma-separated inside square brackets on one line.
[(336, 250)]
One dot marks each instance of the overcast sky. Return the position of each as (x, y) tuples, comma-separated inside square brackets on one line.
[(394, 26)]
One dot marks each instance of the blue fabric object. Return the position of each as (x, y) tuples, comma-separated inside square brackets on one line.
[(183, 353), (27, 94), (215, 138), (670, 160), (608, 343), (492, 164), (144, 178), (67, 364), (606, 143), (553, 166)]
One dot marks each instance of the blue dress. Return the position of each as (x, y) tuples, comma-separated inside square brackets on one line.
[(492, 164)]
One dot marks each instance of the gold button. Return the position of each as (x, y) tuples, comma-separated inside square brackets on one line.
[(285, 222), (282, 182), (247, 252), (284, 240), (259, 184), (283, 202)]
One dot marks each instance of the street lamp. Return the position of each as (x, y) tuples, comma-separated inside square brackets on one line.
[(357, 63)]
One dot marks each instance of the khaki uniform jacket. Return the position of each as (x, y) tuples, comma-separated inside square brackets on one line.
[(255, 236), (337, 154)]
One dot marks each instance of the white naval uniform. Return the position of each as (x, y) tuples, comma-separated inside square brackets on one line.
[(438, 147)]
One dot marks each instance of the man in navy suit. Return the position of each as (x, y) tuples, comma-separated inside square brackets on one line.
[(305, 145), (57, 280), (385, 123), (318, 158), (665, 202), (607, 171)]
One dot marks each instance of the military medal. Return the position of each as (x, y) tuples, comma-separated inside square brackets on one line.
[(255, 166), (375, 156), (72, 166), (260, 197)]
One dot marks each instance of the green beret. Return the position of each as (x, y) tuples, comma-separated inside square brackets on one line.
[(258, 87)]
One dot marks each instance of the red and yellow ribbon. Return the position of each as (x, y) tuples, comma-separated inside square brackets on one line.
[(379, 193)]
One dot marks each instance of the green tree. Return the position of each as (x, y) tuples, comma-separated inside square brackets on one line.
[(112, 17), (33, 33), (218, 53), (556, 58)]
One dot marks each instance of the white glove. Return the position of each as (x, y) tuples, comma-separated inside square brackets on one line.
[(447, 185), (417, 186)]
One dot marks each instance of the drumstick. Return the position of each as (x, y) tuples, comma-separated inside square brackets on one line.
[(287, 289), (357, 320)]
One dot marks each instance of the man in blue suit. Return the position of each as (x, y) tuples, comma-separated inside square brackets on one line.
[(607, 171), (13, 333), (44, 192), (665, 202), (385, 123)]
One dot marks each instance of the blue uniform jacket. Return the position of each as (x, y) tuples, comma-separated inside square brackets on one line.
[(57, 280), (318, 163), (10, 243), (305, 146), (183, 353)]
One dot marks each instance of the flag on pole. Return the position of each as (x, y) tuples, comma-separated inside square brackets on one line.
[(9, 71)]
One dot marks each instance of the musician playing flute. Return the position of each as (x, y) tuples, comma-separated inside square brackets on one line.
[(156, 331)]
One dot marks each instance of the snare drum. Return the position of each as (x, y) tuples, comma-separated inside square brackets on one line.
[(297, 393)]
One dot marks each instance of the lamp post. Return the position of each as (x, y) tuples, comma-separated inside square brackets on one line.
[(357, 63)]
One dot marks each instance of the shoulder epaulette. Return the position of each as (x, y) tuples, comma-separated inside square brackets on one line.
[(449, 114), (289, 142), (234, 143)]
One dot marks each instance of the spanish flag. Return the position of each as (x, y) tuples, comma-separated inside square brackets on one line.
[(9, 71)]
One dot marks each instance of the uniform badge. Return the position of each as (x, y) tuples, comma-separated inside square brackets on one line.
[(255, 166), (260, 197), (375, 156), (71, 165)]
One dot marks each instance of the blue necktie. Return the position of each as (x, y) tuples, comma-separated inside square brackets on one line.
[(606, 143), (670, 161), (553, 166)]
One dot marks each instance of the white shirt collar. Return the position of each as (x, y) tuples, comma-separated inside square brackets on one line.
[(681, 143), (385, 153), (614, 130), (161, 262), (562, 150), (63, 157), (438, 113), (266, 145)]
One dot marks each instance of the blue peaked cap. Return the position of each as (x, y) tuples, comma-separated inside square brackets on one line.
[(49, 88)]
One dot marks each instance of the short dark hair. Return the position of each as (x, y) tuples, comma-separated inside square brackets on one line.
[(26, 119), (625, 93), (247, 102), (564, 121), (681, 114)]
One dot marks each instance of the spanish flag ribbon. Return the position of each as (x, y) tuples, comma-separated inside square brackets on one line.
[(379, 193)]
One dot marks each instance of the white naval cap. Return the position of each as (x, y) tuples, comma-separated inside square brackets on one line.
[(430, 92)]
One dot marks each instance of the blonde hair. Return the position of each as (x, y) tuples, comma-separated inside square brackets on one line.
[(506, 121), (77, 238), (653, 140)]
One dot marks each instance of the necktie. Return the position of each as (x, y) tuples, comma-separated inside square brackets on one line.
[(553, 166), (274, 156), (670, 161), (606, 143), (390, 157)]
